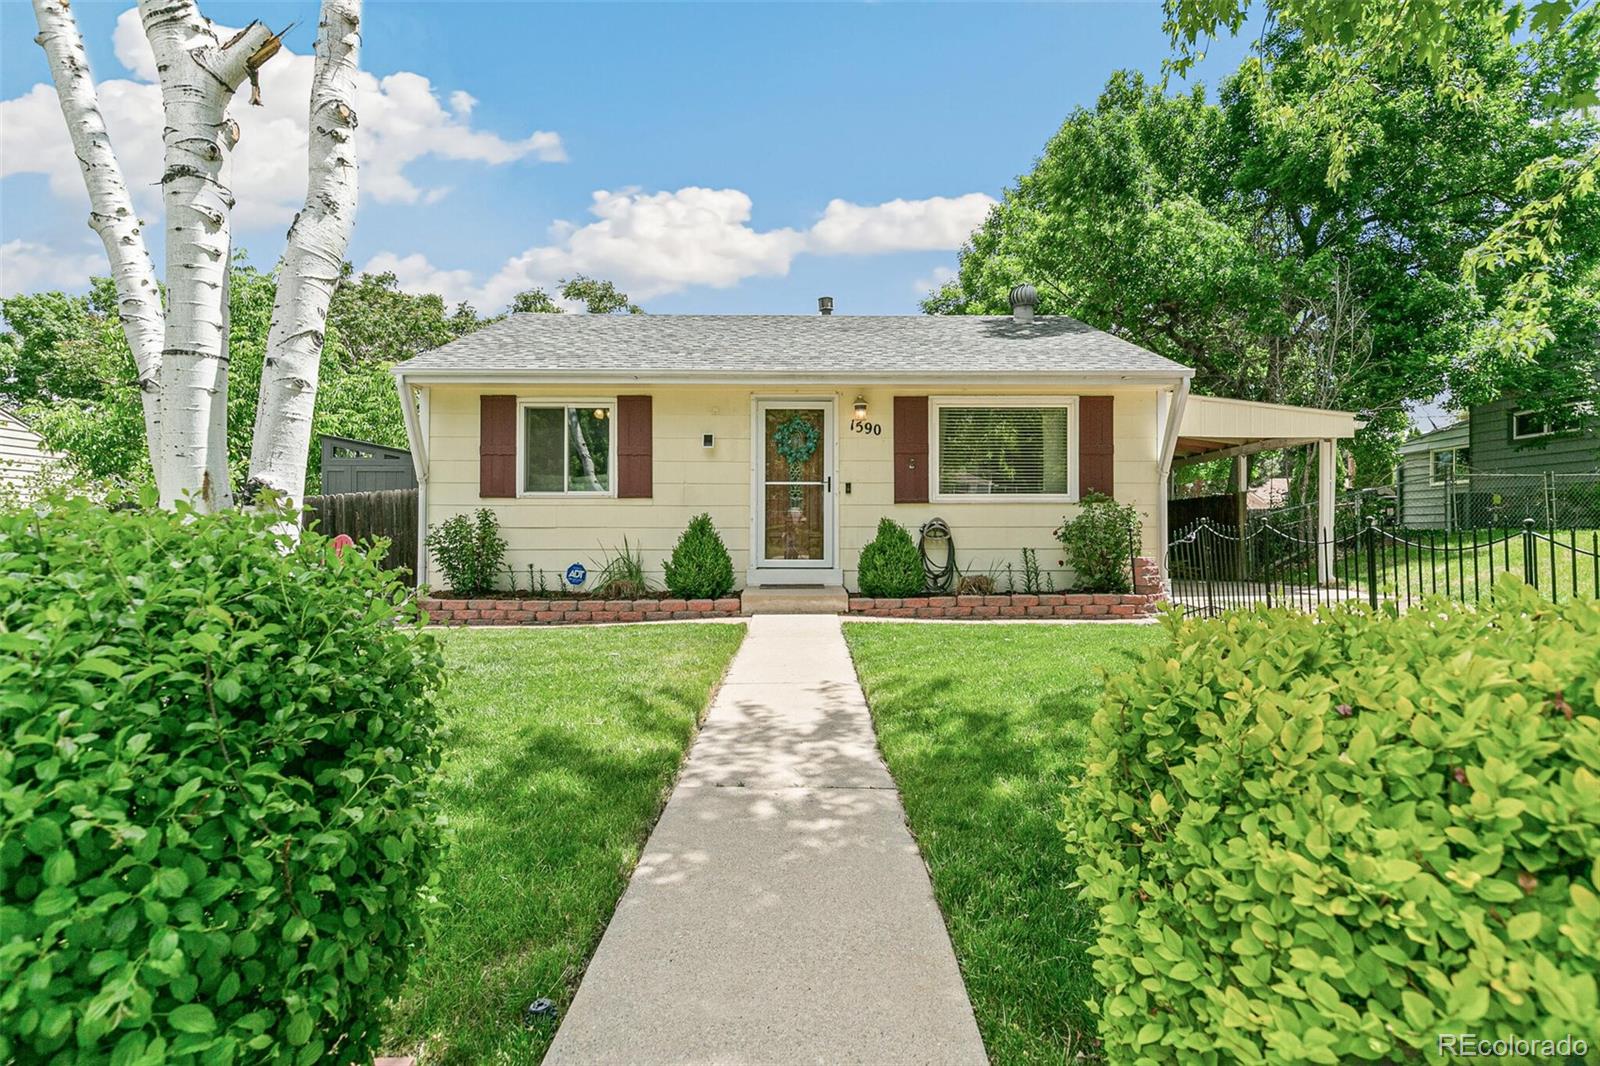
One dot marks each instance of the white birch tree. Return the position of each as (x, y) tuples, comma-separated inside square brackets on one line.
[(181, 349)]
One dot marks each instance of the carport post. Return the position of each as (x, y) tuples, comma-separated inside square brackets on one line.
[(1327, 460)]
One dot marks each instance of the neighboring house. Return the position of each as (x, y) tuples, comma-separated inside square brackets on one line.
[(798, 433), (23, 455), (1510, 438), (1502, 463), (1431, 480)]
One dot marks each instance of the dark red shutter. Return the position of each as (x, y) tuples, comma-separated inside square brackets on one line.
[(1096, 452), (635, 448), (497, 446), (910, 449)]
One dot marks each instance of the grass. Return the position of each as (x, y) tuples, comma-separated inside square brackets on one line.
[(562, 747), (983, 727), (1465, 565)]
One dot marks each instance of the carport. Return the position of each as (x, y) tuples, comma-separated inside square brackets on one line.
[(1211, 428)]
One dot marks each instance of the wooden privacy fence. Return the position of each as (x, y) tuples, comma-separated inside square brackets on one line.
[(366, 516)]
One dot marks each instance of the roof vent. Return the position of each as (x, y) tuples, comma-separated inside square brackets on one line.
[(1023, 299), (825, 305)]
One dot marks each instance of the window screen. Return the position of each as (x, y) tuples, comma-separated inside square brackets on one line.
[(1003, 451)]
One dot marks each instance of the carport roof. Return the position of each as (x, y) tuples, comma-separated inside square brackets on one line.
[(1217, 428)]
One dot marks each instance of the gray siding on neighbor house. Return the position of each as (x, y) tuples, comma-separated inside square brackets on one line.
[(1422, 504), (1494, 451), (22, 453)]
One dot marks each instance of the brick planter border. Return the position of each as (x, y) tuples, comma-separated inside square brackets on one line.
[(556, 612), (1141, 603), (1102, 605)]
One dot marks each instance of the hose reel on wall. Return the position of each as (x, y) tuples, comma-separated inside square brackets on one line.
[(939, 576)]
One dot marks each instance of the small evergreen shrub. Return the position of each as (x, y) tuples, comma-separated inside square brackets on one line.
[(700, 567), (1099, 543), (470, 551), (890, 565), (216, 843), (1332, 838)]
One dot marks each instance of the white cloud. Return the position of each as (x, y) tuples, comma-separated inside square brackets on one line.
[(934, 281), (416, 274), (401, 121), (27, 266), (934, 224), (652, 244)]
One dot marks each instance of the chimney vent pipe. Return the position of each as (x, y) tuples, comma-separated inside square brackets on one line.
[(1023, 299), (825, 305)]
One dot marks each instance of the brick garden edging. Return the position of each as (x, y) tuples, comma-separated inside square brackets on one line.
[(1141, 603), (555, 612), (1102, 605)]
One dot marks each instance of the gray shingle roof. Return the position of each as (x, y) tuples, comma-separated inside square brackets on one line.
[(770, 345)]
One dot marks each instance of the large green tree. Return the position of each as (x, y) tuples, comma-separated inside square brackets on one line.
[(1210, 232), (1357, 44)]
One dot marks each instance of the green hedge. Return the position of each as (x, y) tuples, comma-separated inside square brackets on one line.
[(1332, 838), (217, 845)]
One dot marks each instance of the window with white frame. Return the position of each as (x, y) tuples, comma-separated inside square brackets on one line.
[(566, 447), (1447, 464), (1526, 425), (1005, 447)]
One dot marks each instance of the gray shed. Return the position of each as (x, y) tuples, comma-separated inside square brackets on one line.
[(362, 466)]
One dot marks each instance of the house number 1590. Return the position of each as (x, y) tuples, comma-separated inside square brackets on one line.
[(859, 425)]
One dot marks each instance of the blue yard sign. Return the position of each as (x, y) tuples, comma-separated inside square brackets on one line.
[(576, 575)]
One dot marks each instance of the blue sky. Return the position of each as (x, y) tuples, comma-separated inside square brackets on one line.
[(742, 157)]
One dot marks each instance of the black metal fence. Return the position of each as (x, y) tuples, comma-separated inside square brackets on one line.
[(1214, 568)]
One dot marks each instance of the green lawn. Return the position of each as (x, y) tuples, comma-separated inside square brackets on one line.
[(982, 727), (563, 745)]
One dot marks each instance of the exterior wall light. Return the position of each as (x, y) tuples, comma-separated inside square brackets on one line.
[(861, 407)]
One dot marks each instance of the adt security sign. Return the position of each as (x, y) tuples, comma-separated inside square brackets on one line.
[(576, 575)]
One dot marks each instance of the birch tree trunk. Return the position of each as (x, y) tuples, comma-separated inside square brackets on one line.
[(198, 78), (111, 213), (312, 262)]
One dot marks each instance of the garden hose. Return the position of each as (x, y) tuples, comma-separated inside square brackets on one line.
[(940, 576)]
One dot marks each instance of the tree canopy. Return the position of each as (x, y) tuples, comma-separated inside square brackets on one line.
[(1211, 233), (1359, 43), (65, 363)]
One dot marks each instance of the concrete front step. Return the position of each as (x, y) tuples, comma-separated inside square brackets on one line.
[(796, 599)]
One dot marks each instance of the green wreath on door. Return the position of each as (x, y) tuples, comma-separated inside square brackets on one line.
[(796, 442)]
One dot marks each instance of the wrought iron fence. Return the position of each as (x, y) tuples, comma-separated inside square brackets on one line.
[(1213, 568)]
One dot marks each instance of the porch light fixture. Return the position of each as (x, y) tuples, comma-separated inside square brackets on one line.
[(861, 407), (600, 414)]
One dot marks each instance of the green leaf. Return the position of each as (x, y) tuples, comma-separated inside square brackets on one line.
[(42, 835), (60, 868), (299, 1028), (1525, 926), (192, 1018)]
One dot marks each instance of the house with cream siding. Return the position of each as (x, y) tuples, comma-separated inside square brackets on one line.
[(798, 433), (22, 454)]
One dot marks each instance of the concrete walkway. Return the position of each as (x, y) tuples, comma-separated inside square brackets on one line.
[(780, 912)]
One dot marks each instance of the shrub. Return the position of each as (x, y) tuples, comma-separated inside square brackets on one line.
[(216, 844), (1099, 543), (470, 551), (700, 567), (890, 565), (621, 576), (1332, 838)]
